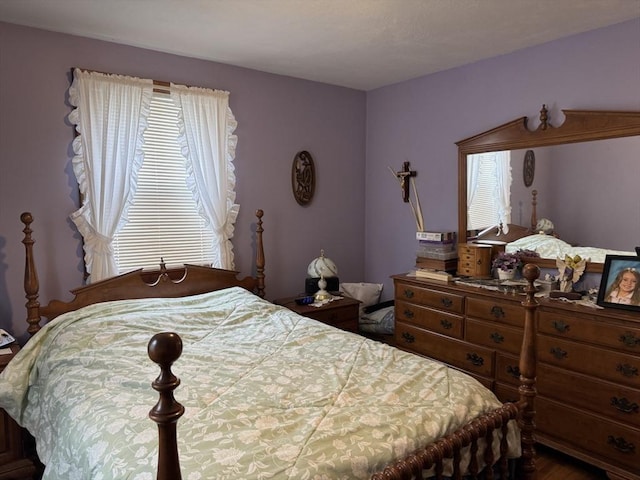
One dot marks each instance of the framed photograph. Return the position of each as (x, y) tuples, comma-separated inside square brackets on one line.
[(620, 284)]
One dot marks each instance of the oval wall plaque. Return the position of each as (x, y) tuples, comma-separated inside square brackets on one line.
[(303, 177), (529, 168)]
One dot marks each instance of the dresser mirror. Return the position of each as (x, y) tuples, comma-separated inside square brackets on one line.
[(583, 161)]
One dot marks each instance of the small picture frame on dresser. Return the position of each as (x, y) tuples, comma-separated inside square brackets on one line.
[(620, 283)]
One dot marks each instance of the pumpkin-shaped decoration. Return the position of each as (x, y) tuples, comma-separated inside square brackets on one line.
[(322, 267)]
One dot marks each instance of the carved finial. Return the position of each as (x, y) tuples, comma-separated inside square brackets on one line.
[(164, 349), (544, 118)]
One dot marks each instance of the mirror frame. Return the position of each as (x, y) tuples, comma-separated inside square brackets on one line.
[(579, 126)]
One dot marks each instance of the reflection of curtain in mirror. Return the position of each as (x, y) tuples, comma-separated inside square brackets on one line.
[(488, 190)]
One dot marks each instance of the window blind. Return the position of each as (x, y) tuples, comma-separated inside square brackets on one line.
[(163, 221), (483, 212)]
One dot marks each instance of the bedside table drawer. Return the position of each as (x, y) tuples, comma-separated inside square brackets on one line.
[(344, 317), (343, 313)]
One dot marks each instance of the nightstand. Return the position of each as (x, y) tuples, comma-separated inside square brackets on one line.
[(343, 313), (13, 463)]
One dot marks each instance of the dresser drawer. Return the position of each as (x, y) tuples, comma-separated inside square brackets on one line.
[(494, 335), (504, 312), (506, 393), (606, 440), (594, 361), (463, 355), (616, 336), (429, 318), (508, 369), (441, 300), (604, 398)]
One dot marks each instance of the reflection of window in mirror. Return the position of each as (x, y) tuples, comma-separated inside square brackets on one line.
[(488, 189)]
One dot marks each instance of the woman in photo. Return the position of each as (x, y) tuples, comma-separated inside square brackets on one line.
[(625, 288)]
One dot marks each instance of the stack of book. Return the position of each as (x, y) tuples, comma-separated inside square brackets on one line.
[(437, 251)]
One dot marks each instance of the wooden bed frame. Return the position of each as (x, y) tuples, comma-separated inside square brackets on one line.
[(165, 348), (163, 282)]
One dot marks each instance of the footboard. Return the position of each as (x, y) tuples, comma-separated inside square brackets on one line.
[(433, 456), (450, 447)]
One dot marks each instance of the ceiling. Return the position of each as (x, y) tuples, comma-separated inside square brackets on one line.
[(362, 44)]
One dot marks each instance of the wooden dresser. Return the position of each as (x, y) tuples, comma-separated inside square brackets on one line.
[(588, 371)]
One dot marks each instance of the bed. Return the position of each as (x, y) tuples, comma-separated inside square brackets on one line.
[(545, 243), (264, 392)]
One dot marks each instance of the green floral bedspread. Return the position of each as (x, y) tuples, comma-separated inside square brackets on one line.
[(268, 393)]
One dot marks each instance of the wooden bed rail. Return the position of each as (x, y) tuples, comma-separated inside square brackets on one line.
[(162, 282)]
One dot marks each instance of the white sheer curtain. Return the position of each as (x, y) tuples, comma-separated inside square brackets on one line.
[(473, 173), (503, 184), (110, 118), (206, 126), (489, 190)]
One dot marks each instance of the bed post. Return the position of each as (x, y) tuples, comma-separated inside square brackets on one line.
[(259, 255), (164, 349), (31, 284), (527, 367), (534, 211)]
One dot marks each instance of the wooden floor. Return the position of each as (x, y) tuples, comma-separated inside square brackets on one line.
[(553, 465)]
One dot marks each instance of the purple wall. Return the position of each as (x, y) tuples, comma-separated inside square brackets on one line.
[(420, 121), (360, 220), (277, 116)]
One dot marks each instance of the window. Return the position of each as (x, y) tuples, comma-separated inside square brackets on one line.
[(155, 173), (488, 190), (163, 220)]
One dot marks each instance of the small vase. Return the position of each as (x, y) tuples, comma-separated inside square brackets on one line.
[(506, 274)]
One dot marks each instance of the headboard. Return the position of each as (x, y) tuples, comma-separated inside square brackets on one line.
[(157, 283)]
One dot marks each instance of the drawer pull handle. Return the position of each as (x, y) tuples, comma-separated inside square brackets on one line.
[(407, 337), (447, 302), (496, 337), (408, 313), (446, 324), (475, 359), (624, 405), (621, 444), (560, 326), (513, 371), (627, 370), (630, 340), (497, 311), (408, 293), (558, 353)]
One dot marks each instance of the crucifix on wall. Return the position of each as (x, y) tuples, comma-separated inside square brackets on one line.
[(404, 175)]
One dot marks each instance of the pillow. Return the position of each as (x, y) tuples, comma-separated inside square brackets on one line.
[(380, 321), (367, 293)]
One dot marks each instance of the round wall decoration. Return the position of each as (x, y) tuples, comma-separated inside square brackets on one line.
[(529, 167), (303, 177)]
